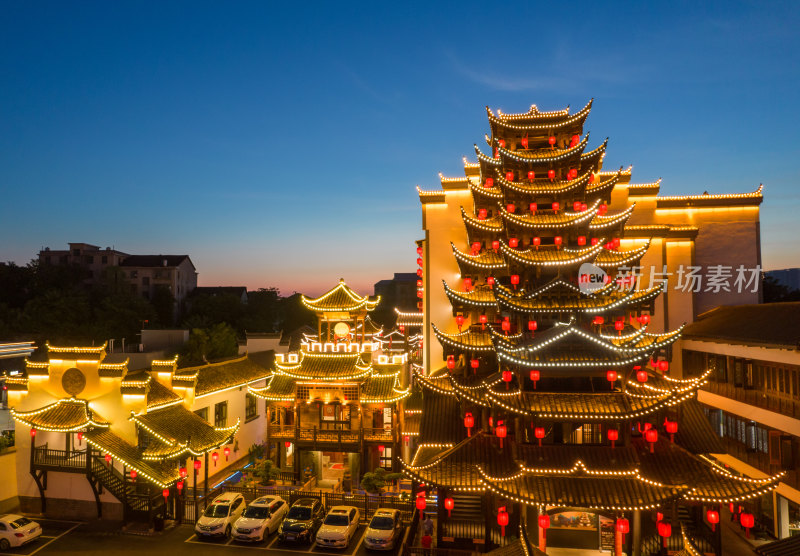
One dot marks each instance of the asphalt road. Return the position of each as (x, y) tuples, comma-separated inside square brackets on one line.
[(100, 539)]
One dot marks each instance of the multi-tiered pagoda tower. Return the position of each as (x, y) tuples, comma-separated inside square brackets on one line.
[(552, 407)]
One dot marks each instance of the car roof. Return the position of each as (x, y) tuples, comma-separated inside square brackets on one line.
[(265, 501), (226, 498), (305, 502), (10, 517), (341, 509), (388, 512)]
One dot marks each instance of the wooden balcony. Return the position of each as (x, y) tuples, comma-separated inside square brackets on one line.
[(48, 459), (316, 435)]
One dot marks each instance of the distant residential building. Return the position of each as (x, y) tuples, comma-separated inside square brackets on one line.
[(789, 277), (399, 292), (752, 397), (85, 255)]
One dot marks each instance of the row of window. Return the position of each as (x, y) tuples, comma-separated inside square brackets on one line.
[(221, 411), (755, 437), (746, 373)]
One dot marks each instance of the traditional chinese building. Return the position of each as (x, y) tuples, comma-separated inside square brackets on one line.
[(95, 438), (333, 405), (546, 396)]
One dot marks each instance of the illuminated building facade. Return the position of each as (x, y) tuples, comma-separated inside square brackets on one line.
[(334, 405), (546, 396), (96, 439)]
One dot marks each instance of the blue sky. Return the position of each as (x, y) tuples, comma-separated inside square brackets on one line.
[(280, 145)]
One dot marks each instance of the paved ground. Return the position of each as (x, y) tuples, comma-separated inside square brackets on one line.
[(103, 539)]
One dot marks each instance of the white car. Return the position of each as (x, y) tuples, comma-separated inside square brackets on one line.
[(384, 529), (338, 527), (16, 530), (261, 518), (219, 517)]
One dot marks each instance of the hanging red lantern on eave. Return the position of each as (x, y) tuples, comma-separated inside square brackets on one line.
[(551, 175), (451, 362), (449, 504), (474, 363), (483, 319), (502, 520), (459, 321), (482, 213), (664, 531), (539, 433), (663, 365), (532, 326), (552, 140), (531, 175), (556, 206), (513, 242), (641, 376), (581, 240), (134, 474), (33, 433), (557, 241), (500, 431), (215, 457), (509, 176), (713, 518), (536, 241), (197, 464), (651, 436), (515, 280), (469, 422), (165, 494), (419, 251), (108, 458), (502, 143), (535, 376), (524, 142), (613, 436), (508, 376), (489, 183), (575, 140)]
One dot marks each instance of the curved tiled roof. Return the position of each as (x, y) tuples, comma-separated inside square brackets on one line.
[(68, 414), (340, 299)]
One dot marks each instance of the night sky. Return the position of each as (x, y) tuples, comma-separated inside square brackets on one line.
[(280, 144)]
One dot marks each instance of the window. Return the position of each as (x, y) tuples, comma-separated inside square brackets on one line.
[(76, 252), (104, 259), (202, 413), (145, 280), (134, 273), (221, 414), (251, 407)]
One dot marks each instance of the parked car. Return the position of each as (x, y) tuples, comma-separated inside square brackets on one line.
[(219, 517), (338, 527), (384, 529), (261, 518), (302, 521), (16, 530)]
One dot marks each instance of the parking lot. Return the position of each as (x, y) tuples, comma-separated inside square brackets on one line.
[(102, 539)]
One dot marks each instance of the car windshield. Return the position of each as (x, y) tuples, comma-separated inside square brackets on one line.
[(217, 510), (299, 513), (256, 512), (21, 522), (382, 523), (337, 520)]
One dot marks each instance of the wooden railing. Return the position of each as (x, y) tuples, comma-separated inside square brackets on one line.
[(317, 434), (779, 403), (282, 431), (59, 459), (313, 434), (379, 435)]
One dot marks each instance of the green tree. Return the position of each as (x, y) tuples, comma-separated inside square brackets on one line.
[(267, 472), (208, 344)]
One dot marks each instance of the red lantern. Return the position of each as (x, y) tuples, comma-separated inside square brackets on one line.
[(671, 428), (165, 494), (459, 321), (419, 251), (227, 452), (533, 207), (531, 175), (611, 376), (108, 458), (449, 504), (616, 243), (613, 436), (182, 471), (713, 518), (524, 142), (641, 376), (134, 474), (179, 485), (451, 362), (598, 320), (651, 436), (575, 140), (544, 525), (538, 432), (508, 376), (535, 376), (490, 281), (496, 153), (558, 240), (552, 140), (402, 328), (576, 206), (468, 281), (573, 173), (419, 283), (532, 325), (197, 464), (551, 175), (501, 431), (381, 448), (646, 319), (419, 262), (594, 241), (581, 240), (469, 422), (475, 247), (623, 526), (509, 176), (659, 517), (536, 241), (665, 531), (482, 213), (502, 143), (421, 503), (515, 280), (511, 207), (502, 520), (602, 209), (474, 363), (419, 294), (495, 245), (663, 365), (419, 272), (556, 205), (618, 326), (483, 320), (406, 438), (33, 433), (215, 457), (591, 178), (287, 444), (513, 242), (489, 183), (584, 207), (80, 437)]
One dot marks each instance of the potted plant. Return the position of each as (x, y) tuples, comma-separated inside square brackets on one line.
[(267, 472)]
